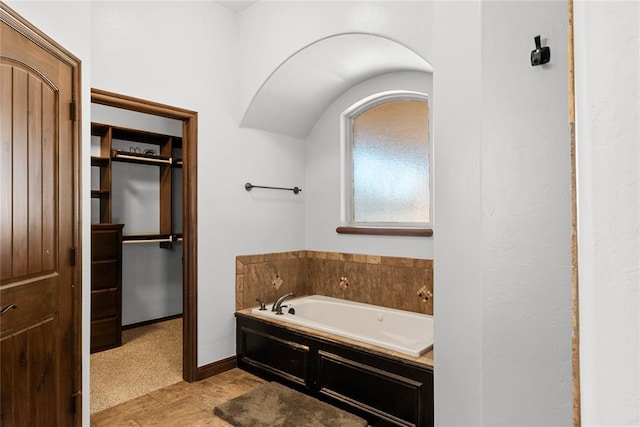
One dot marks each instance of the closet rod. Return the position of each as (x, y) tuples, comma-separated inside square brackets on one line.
[(248, 186), (146, 159), (149, 241)]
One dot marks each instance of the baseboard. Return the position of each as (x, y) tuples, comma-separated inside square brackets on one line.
[(151, 322), (216, 368)]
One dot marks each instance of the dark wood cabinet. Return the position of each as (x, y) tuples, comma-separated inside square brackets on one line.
[(106, 286), (384, 390)]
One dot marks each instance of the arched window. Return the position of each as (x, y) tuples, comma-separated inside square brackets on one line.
[(386, 162)]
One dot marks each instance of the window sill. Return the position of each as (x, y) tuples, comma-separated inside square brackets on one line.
[(382, 231)]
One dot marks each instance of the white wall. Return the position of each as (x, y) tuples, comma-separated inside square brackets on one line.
[(323, 174), (502, 248), (526, 217), (457, 122), (183, 54), (607, 54)]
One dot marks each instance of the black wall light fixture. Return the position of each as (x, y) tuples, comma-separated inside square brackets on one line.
[(540, 55)]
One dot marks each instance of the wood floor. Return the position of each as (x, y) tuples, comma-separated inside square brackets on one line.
[(180, 404)]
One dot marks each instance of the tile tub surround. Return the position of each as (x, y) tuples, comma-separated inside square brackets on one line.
[(386, 281), (258, 276)]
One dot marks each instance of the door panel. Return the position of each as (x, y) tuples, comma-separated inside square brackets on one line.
[(30, 116), (37, 230)]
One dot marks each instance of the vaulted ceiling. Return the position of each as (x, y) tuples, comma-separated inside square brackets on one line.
[(236, 5), (298, 91)]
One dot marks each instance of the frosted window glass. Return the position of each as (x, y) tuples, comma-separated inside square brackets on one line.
[(391, 163)]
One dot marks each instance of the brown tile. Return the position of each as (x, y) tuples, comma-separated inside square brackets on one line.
[(188, 411), (200, 395), (399, 261), (319, 272), (240, 301), (239, 282), (365, 285), (125, 413), (399, 287), (334, 256), (320, 255), (181, 404), (254, 259), (359, 258), (423, 263), (259, 279), (374, 259)]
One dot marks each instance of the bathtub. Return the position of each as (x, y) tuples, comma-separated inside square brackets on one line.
[(403, 331)]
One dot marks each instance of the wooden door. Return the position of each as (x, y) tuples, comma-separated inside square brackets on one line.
[(39, 284)]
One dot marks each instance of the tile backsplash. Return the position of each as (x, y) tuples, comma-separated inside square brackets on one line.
[(403, 283)]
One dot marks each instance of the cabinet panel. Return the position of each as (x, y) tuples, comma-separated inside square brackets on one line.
[(104, 275), (104, 245), (104, 303), (281, 357), (105, 334), (383, 393)]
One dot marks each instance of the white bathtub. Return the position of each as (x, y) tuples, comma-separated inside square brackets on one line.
[(398, 330)]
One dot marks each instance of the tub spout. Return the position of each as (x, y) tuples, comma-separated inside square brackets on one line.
[(277, 306)]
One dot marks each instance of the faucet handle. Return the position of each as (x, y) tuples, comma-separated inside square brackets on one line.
[(262, 305), (279, 310)]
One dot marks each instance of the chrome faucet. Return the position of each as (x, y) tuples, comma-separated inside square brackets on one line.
[(277, 306)]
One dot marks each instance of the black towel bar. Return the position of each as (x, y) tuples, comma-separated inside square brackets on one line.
[(249, 186)]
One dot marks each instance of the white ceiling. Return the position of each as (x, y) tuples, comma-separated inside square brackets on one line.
[(237, 6), (292, 99)]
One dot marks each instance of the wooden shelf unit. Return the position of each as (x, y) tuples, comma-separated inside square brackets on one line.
[(106, 286), (164, 160), (107, 238), (103, 162)]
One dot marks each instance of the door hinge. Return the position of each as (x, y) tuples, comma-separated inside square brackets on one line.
[(73, 111), (72, 256), (74, 402)]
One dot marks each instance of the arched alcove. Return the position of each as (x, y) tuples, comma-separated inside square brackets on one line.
[(303, 86)]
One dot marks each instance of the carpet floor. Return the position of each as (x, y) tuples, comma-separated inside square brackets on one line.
[(149, 359)]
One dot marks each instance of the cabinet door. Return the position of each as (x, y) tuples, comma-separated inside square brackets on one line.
[(278, 356), (388, 395)]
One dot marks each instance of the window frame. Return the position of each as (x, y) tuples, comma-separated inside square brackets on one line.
[(348, 224)]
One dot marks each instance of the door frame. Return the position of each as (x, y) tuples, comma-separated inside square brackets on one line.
[(189, 213), (40, 39)]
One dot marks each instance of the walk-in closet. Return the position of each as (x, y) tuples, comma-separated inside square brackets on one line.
[(136, 254)]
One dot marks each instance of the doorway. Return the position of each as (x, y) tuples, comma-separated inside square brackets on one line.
[(189, 211)]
